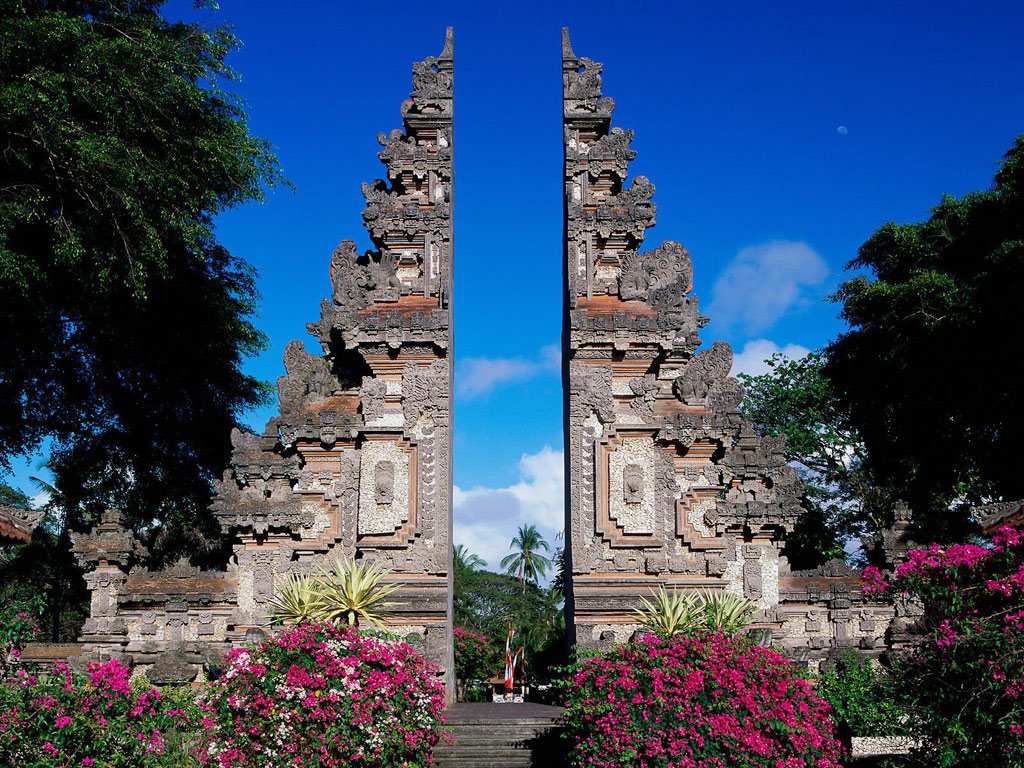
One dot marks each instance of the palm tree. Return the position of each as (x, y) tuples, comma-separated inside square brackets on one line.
[(525, 561), (465, 560)]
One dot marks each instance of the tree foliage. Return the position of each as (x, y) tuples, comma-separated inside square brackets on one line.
[(464, 560), (795, 399), (488, 603), (43, 568), (125, 322), (928, 371)]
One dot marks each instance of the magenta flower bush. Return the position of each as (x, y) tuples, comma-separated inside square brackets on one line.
[(18, 626), (63, 720), (318, 696), (710, 701), (964, 682)]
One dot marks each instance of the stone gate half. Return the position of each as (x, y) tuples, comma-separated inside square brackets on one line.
[(358, 462), (666, 483)]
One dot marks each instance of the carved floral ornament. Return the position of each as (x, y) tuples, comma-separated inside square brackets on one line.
[(643, 274), (429, 81)]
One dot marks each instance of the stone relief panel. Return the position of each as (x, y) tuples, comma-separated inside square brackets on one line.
[(385, 500), (631, 495)]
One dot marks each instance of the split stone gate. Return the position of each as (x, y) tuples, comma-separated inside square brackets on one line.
[(666, 483)]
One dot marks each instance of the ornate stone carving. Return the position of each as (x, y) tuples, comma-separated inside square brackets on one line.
[(372, 395), (308, 379), (384, 494), (591, 392), (429, 81), (702, 372), (109, 543), (643, 274), (645, 391), (359, 281), (17, 525), (425, 392), (664, 475), (356, 464)]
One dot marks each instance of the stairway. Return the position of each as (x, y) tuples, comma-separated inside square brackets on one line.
[(502, 736)]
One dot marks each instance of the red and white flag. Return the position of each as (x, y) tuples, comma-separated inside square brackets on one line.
[(510, 661)]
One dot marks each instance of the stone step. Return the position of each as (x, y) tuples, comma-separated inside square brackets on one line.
[(514, 734), (486, 736), (511, 742), (480, 750), (525, 760)]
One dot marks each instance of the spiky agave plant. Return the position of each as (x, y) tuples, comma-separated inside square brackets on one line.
[(353, 591), (669, 613), (296, 599), (725, 612)]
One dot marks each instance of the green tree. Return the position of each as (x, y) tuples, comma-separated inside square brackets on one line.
[(13, 497), (44, 570), (525, 561), (794, 399), (928, 372), (125, 322), (464, 560), (489, 603)]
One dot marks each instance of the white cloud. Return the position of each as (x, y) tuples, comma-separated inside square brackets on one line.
[(476, 376), (751, 359), (486, 519), (764, 282)]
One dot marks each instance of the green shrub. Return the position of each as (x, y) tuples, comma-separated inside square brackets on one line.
[(862, 697)]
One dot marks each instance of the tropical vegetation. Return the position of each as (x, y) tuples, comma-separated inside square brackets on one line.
[(864, 697), (125, 321), (675, 612), (962, 685), (526, 562), (477, 658), (951, 282), (100, 719), (796, 400)]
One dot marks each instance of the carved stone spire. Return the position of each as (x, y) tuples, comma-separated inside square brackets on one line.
[(357, 465), (665, 479)]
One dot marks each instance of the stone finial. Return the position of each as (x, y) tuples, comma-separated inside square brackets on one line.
[(108, 543), (567, 53)]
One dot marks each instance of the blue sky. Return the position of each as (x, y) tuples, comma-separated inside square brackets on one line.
[(737, 109)]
